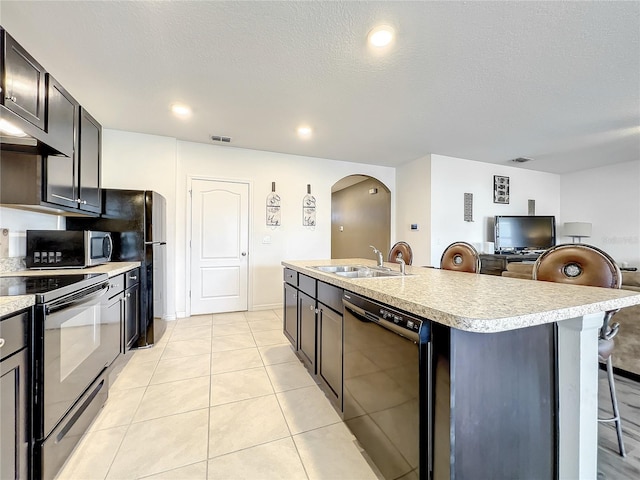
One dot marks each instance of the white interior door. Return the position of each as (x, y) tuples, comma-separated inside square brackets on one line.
[(219, 246)]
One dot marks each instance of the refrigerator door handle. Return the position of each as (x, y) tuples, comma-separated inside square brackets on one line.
[(155, 243)]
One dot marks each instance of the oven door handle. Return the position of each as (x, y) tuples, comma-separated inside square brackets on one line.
[(66, 303)]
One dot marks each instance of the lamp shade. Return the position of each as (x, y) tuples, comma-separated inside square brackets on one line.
[(577, 229)]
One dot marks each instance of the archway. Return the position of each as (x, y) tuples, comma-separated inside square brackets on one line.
[(360, 216)]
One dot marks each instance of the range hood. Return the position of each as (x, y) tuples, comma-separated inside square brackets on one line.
[(18, 135)]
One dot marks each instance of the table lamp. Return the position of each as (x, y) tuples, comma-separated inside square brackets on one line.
[(577, 229)]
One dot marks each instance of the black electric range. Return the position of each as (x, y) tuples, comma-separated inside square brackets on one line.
[(47, 287)]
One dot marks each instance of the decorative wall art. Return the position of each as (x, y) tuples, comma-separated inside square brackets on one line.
[(309, 209), (500, 189), (273, 207)]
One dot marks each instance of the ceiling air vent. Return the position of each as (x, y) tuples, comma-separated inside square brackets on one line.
[(219, 138), (521, 160)]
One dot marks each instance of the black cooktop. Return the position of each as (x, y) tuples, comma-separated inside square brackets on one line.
[(48, 287)]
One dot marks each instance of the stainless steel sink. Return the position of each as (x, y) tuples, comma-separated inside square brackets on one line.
[(358, 271), (369, 273), (339, 268)]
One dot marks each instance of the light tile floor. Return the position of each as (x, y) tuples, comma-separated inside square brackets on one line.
[(218, 397)]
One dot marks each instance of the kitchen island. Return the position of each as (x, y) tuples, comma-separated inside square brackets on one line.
[(501, 348)]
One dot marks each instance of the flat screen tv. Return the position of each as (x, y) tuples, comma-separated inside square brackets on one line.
[(519, 233)]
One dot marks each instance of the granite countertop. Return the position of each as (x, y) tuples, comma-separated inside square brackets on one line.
[(111, 268), (11, 304), (471, 302)]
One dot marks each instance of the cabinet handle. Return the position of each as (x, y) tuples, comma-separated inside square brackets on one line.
[(12, 98), (1, 342), (311, 307), (133, 277), (128, 295)]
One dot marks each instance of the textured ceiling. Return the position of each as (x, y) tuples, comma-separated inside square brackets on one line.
[(558, 82)]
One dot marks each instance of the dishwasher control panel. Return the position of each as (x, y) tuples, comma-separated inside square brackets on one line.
[(408, 323)]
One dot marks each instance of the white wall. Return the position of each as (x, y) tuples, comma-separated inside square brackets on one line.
[(145, 162), (163, 164), (452, 177), (609, 198), (291, 240), (19, 221), (413, 205)]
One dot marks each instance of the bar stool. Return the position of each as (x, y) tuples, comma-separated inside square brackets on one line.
[(401, 250), (581, 264), (461, 257)]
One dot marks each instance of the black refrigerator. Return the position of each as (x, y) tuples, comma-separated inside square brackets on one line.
[(137, 222)]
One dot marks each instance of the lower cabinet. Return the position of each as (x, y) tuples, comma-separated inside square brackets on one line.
[(14, 398), (330, 348), (290, 327), (123, 307), (131, 321), (313, 323), (307, 332)]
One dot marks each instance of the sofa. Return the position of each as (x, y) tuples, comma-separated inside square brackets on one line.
[(626, 355)]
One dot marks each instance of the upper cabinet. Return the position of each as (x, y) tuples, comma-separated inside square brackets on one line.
[(23, 86), (89, 156), (55, 167)]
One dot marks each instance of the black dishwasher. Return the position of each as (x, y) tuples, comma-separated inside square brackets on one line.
[(386, 386)]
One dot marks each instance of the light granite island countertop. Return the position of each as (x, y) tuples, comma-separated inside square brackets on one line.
[(470, 302), (481, 309)]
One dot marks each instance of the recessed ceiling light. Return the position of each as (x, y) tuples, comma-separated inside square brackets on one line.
[(304, 131), (181, 110), (381, 36)]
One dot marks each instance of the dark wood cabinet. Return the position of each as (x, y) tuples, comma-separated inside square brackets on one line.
[(15, 434), (313, 323), (57, 167), (23, 83), (307, 330), (61, 172), (131, 322), (290, 327), (89, 159), (330, 341)]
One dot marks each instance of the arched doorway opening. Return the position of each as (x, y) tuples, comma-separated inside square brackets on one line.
[(360, 216)]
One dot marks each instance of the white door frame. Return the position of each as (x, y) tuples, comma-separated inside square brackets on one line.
[(249, 183)]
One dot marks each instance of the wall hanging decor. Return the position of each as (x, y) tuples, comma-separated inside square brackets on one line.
[(309, 209), (500, 189), (273, 207)]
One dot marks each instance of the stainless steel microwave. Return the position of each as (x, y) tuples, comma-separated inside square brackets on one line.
[(67, 249)]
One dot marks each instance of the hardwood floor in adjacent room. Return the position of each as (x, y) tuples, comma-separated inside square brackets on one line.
[(611, 466)]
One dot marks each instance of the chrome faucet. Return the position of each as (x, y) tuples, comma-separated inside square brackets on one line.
[(402, 263), (379, 253)]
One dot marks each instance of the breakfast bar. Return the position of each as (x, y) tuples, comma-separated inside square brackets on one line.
[(506, 355)]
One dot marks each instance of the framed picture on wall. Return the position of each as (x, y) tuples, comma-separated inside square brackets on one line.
[(500, 189)]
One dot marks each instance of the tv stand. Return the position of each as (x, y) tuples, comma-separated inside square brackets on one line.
[(495, 264)]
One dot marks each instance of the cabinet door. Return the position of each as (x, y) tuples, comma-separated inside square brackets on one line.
[(24, 83), (14, 438), (307, 333), (112, 315), (89, 158), (62, 117), (330, 352), (131, 322), (61, 173), (291, 314)]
